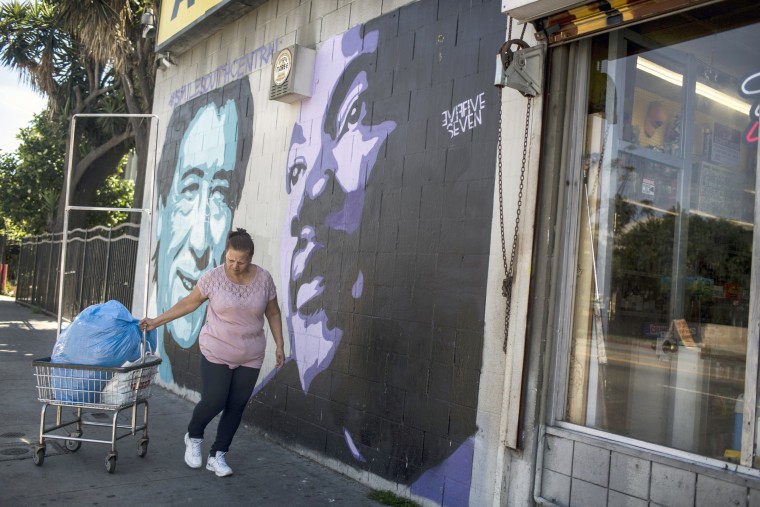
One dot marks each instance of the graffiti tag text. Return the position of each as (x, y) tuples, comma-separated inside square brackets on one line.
[(224, 74), (464, 116)]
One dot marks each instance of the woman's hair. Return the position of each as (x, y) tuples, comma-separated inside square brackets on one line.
[(239, 240)]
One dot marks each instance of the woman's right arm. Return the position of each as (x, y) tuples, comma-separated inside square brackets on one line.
[(186, 305)]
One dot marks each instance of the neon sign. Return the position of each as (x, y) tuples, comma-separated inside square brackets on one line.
[(751, 89)]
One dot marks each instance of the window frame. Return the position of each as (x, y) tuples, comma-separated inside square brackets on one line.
[(571, 144)]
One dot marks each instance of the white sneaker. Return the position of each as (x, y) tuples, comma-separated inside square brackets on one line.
[(218, 465), (193, 451)]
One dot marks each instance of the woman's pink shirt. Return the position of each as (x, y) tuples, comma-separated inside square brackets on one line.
[(234, 330)]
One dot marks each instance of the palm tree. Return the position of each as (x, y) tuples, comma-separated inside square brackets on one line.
[(111, 33), (87, 58)]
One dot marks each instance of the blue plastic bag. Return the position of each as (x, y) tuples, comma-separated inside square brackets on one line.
[(102, 335), (77, 386)]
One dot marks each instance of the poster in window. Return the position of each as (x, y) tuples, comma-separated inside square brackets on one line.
[(725, 145), (717, 190)]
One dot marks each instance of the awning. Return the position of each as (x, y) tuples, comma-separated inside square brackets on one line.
[(598, 16)]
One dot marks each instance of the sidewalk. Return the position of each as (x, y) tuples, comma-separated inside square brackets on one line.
[(265, 473)]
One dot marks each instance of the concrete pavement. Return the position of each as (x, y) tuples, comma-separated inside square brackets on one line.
[(265, 473)]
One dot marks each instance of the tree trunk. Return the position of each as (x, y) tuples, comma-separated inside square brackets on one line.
[(91, 181), (111, 152), (141, 130), (142, 144)]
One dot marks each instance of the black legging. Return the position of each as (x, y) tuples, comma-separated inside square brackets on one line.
[(225, 389)]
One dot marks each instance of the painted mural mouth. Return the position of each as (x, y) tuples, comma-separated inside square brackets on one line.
[(187, 282), (308, 291), (303, 290)]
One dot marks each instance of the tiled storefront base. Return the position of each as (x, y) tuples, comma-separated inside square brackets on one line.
[(585, 471)]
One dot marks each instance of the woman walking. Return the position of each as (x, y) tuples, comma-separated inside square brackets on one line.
[(232, 343)]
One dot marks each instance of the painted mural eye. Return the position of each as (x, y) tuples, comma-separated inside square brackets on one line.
[(188, 191), (221, 193), (353, 115), (296, 169)]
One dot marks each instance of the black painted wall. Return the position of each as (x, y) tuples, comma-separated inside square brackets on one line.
[(403, 384)]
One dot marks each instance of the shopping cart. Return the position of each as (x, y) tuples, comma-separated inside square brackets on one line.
[(83, 388), (86, 388)]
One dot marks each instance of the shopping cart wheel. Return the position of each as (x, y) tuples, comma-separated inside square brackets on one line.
[(74, 445), (39, 455), (111, 462), (142, 447)]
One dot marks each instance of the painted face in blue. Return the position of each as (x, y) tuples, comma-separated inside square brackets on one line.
[(193, 226), (333, 150)]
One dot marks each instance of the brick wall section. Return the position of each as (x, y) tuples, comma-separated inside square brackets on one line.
[(594, 473)]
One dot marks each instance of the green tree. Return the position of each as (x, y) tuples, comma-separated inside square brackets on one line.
[(31, 178), (86, 57), (116, 192), (718, 252), (111, 32)]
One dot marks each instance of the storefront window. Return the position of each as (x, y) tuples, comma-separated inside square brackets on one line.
[(662, 291)]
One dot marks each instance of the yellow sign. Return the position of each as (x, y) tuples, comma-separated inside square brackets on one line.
[(176, 15)]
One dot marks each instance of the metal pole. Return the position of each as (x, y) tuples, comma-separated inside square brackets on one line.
[(150, 214), (749, 421), (148, 211), (34, 270), (149, 224), (18, 266), (65, 238), (3, 279), (57, 275), (81, 270), (103, 294), (51, 249)]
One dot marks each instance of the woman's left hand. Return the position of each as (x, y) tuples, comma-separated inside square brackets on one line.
[(275, 324), (279, 357)]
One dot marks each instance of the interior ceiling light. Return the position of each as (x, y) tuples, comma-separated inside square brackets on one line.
[(702, 89)]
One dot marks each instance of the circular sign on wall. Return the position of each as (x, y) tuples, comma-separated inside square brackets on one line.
[(282, 66)]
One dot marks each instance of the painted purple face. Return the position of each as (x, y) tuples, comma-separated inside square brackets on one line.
[(333, 150)]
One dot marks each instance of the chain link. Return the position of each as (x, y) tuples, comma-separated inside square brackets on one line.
[(501, 198)]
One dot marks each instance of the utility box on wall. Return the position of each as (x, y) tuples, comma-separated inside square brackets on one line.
[(292, 74)]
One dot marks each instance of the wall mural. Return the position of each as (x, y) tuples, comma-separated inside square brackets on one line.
[(199, 182), (384, 249)]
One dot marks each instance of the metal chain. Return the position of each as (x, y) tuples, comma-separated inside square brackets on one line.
[(509, 270), (506, 289), (501, 199), (501, 186)]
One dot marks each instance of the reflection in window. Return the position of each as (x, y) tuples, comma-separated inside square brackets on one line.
[(662, 290)]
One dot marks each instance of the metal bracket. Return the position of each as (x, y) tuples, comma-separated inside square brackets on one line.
[(521, 70)]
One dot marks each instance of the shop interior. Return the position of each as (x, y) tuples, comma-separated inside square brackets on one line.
[(662, 297)]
